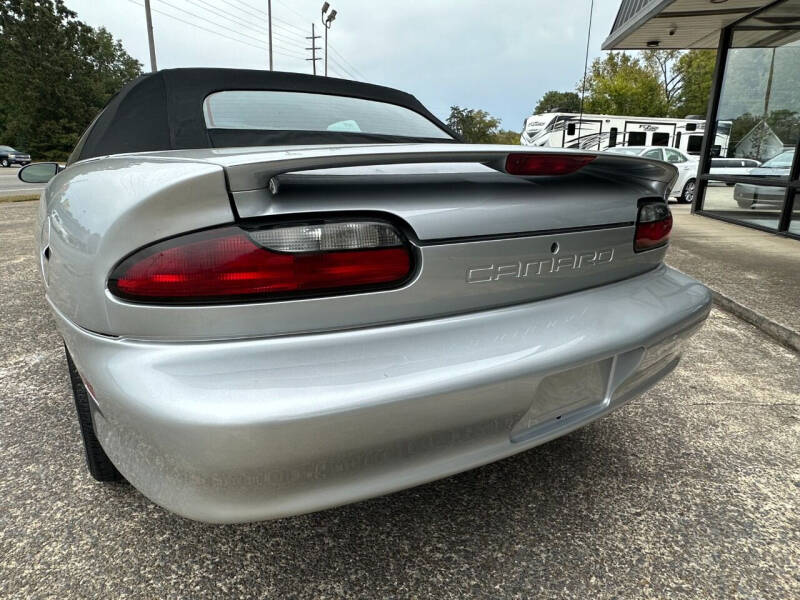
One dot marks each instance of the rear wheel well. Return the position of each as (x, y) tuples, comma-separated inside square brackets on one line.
[(99, 465)]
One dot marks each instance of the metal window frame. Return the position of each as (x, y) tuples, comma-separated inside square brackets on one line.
[(792, 183)]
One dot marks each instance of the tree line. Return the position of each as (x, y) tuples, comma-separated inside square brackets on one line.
[(650, 83), (57, 74)]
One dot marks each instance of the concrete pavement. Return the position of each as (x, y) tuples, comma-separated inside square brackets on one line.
[(757, 270), (10, 185), (692, 491)]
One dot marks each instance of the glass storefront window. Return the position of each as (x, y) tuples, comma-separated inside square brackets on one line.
[(760, 103), (794, 224), (750, 203), (758, 118)]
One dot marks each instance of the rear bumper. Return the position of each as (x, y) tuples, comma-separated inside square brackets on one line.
[(264, 428), (751, 196)]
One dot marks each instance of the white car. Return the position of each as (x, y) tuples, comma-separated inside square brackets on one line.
[(686, 164)]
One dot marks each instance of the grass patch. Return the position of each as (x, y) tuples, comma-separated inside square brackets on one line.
[(19, 198)]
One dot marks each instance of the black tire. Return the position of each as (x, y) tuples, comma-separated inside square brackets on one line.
[(687, 194), (5, 163), (100, 466)]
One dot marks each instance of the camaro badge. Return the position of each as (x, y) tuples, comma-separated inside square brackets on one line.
[(540, 267)]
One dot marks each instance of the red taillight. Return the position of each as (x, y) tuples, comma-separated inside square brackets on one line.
[(652, 226), (546, 164), (231, 264)]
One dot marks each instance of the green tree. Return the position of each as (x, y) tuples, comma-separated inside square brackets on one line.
[(57, 74), (479, 127), (621, 84), (506, 136), (563, 101), (662, 63), (696, 71)]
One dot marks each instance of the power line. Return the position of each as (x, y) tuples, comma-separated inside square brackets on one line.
[(235, 20), (217, 33), (300, 34), (341, 69), (291, 9), (161, 12), (349, 64), (297, 40), (240, 22), (283, 34), (287, 24), (255, 8), (260, 14), (196, 16)]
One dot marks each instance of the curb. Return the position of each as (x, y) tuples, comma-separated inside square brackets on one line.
[(780, 333)]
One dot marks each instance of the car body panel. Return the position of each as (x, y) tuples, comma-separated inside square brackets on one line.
[(755, 196), (749, 195), (488, 219), (98, 211), (687, 169), (525, 306), (732, 166), (253, 429)]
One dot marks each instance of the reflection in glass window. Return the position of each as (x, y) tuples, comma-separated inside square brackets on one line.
[(760, 98), (794, 224), (300, 111), (749, 202)]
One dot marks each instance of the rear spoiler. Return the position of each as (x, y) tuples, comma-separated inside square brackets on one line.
[(253, 170)]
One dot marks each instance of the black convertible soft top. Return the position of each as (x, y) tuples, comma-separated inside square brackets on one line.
[(164, 111)]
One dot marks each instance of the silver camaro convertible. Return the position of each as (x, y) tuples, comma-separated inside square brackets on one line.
[(281, 293)]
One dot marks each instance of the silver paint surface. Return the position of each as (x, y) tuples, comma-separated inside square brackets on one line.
[(101, 210), (253, 429), (242, 412)]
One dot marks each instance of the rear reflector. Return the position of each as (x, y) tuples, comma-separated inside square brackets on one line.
[(546, 164), (652, 227), (231, 264)]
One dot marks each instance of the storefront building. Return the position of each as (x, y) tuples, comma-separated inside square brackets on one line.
[(754, 107)]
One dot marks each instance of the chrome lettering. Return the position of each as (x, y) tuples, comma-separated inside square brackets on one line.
[(523, 269)]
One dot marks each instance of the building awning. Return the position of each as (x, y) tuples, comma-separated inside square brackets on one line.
[(675, 23)]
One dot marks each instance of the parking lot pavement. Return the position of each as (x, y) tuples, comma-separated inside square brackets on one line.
[(691, 491), (10, 185)]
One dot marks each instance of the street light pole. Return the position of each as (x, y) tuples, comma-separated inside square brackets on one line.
[(153, 65), (327, 24), (269, 18)]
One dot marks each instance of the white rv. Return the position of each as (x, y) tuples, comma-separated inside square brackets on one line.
[(599, 132)]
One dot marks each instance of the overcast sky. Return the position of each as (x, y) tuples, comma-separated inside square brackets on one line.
[(498, 55)]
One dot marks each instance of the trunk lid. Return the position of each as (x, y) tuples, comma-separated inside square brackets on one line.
[(483, 238)]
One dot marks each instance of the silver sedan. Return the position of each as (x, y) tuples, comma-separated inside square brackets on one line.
[(280, 293)]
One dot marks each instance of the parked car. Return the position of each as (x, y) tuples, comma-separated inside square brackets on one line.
[(307, 291), (687, 165), (9, 156), (732, 166), (750, 195)]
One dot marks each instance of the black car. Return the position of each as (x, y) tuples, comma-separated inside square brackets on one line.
[(9, 156)]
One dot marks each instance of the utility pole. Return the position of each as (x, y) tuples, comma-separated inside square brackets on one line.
[(327, 24), (153, 66), (313, 49), (269, 18)]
